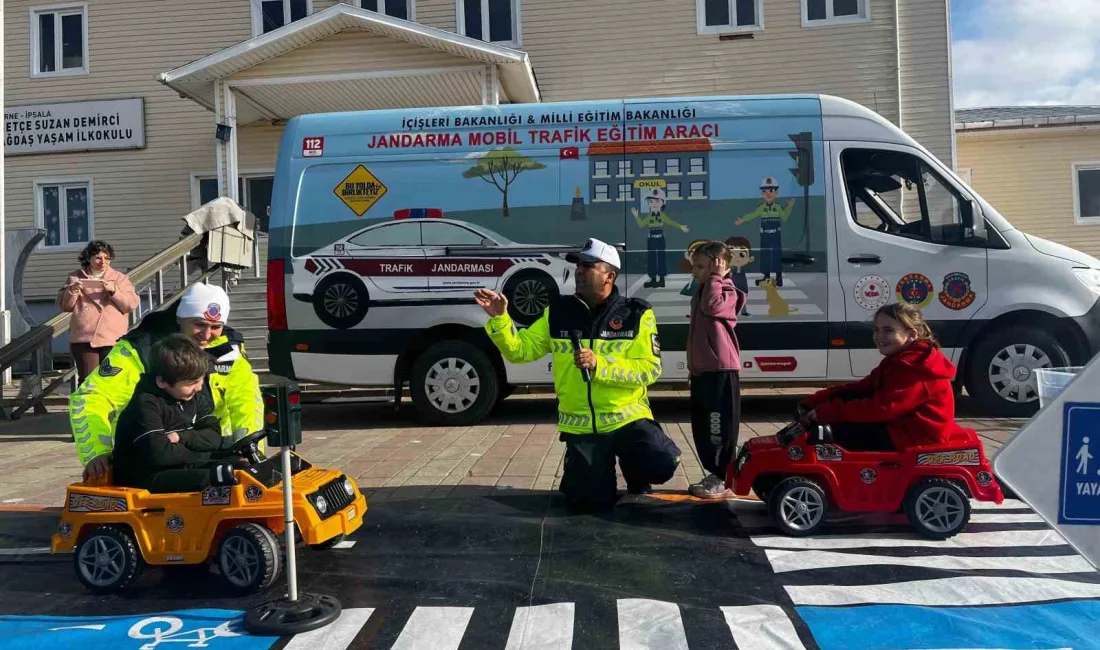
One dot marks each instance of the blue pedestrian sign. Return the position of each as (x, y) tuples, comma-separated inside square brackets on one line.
[(1079, 498)]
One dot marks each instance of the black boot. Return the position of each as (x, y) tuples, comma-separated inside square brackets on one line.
[(652, 283), (660, 283), (760, 280), (779, 279)]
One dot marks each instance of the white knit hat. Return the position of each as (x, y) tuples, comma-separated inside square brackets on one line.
[(206, 301)]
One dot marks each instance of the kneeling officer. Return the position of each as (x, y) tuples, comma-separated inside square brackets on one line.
[(608, 415)]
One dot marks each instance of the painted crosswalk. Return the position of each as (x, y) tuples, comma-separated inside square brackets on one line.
[(670, 305)]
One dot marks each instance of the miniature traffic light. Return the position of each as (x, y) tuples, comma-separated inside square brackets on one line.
[(803, 157), (283, 414)]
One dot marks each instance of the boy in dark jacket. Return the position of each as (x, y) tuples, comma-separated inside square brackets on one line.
[(165, 436)]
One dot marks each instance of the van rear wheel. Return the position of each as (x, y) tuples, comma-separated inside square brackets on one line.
[(1001, 370), (453, 383)]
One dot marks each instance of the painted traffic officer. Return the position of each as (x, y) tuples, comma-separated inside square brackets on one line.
[(655, 220), (771, 217)]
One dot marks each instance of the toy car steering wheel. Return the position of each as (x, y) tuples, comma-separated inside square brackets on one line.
[(249, 446)]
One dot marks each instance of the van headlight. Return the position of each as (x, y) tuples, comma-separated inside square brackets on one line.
[(1089, 277)]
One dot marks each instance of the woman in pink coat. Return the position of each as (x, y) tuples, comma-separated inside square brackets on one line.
[(99, 298)]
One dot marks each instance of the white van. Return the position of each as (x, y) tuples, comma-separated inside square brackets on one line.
[(384, 222)]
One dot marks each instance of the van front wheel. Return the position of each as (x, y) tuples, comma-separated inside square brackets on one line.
[(453, 383), (1001, 370)]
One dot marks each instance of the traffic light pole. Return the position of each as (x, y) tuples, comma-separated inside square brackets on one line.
[(288, 518)]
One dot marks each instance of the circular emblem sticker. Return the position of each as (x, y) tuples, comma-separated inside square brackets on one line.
[(872, 291), (915, 289), (794, 453), (253, 493), (956, 293), (868, 475), (213, 312), (65, 529), (984, 479), (175, 523)]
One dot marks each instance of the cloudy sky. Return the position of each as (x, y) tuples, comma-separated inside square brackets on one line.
[(1014, 52)]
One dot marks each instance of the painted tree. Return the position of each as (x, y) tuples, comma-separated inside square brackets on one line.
[(499, 168)]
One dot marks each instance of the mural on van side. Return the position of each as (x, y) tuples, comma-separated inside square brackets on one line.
[(659, 187)]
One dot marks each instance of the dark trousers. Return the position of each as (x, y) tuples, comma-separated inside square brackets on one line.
[(646, 456), (771, 249), (715, 418), (657, 246), (86, 358), (862, 437), (190, 479)]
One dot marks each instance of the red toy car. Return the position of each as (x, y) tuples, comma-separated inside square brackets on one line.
[(800, 472)]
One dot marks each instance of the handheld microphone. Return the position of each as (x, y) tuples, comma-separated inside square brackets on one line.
[(575, 337)]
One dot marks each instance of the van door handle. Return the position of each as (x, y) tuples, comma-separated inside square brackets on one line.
[(797, 259), (864, 259)]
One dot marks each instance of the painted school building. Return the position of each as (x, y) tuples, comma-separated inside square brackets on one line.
[(115, 132)]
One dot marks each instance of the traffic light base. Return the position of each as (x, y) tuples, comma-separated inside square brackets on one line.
[(285, 617)]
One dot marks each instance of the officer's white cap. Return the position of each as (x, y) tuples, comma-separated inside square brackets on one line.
[(596, 251), (769, 184), (206, 301)]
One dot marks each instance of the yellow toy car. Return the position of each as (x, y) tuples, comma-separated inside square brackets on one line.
[(114, 532)]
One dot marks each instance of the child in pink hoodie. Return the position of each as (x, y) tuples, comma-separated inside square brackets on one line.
[(714, 362)]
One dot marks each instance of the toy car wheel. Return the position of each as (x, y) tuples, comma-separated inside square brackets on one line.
[(329, 544), (453, 383), (249, 558), (340, 301), (798, 506), (529, 294), (107, 560), (937, 508)]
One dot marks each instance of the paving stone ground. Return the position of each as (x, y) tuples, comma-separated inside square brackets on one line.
[(515, 448)]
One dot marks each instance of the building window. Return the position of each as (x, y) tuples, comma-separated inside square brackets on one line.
[(601, 169), (696, 166), (496, 21), (698, 190), (269, 15), (672, 167), (601, 193), (59, 41), (402, 9), (625, 191), (1086, 192), (964, 175), (63, 208), (672, 191), (649, 167), (728, 16), (822, 13), (626, 168)]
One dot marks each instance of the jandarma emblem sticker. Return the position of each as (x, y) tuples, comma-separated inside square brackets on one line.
[(956, 293)]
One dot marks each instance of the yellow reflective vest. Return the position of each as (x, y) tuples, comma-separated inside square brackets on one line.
[(95, 406), (623, 334)]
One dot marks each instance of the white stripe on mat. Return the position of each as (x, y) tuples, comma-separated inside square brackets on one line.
[(962, 540), (438, 628), (762, 627), (650, 625), (989, 505), (336, 636), (945, 592), (785, 561), (38, 550), (544, 627), (755, 520)]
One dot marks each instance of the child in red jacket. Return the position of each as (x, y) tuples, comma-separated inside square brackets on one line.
[(906, 401)]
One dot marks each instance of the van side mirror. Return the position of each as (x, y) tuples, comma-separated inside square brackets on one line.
[(967, 210)]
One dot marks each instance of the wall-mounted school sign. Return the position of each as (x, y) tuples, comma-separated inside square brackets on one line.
[(75, 126)]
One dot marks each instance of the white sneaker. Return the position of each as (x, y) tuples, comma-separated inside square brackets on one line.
[(711, 487)]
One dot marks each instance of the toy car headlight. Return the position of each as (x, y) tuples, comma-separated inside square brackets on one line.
[(348, 488), (322, 505), (742, 460)]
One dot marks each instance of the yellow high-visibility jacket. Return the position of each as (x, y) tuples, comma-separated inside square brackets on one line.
[(623, 334)]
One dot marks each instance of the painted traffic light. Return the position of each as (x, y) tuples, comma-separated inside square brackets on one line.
[(283, 414), (803, 156)]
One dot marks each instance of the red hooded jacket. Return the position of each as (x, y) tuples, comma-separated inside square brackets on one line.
[(910, 391)]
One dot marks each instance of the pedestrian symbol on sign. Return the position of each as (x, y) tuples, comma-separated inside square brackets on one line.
[(1079, 501)]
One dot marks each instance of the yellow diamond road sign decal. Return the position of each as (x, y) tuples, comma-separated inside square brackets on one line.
[(360, 190)]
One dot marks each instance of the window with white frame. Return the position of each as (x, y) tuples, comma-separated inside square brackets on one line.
[(672, 191), (624, 191), (63, 208), (818, 13), (1086, 192), (696, 166), (402, 9), (602, 193), (601, 169), (697, 190), (728, 16), (59, 40), (496, 21), (626, 168), (672, 166), (269, 15), (649, 167)]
